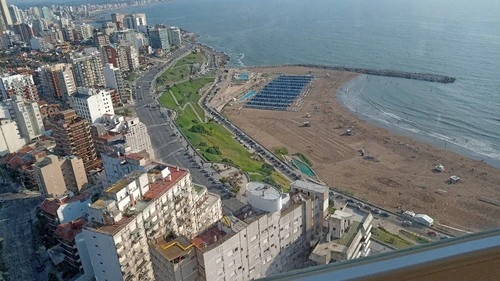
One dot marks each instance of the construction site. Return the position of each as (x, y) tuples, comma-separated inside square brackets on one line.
[(353, 156)]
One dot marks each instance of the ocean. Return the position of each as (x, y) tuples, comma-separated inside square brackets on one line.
[(459, 38)]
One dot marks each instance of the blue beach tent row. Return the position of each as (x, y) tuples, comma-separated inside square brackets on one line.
[(279, 93)]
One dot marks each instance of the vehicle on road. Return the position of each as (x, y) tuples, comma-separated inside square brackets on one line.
[(339, 197), (376, 211), (431, 234), (407, 223), (350, 201), (384, 214)]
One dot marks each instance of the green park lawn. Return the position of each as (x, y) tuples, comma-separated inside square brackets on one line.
[(181, 70), (204, 136), (394, 240)]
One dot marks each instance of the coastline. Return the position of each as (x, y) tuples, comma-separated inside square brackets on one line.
[(401, 178), (403, 131)]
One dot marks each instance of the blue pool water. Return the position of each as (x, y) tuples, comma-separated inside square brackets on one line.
[(248, 95), (243, 76)]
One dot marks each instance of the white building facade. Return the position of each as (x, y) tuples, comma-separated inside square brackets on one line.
[(21, 85), (10, 139), (92, 104)]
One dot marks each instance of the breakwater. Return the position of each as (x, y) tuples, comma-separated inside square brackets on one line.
[(378, 72)]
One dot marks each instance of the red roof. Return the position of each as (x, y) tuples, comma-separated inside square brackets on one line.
[(15, 162), (68, 231), (50, 206), (159, 187), (208, 237)]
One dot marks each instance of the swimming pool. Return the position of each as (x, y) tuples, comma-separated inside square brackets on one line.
[(248, 95), (303, 167)]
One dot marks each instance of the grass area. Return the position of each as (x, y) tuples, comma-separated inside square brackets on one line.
[(304, 159), (394, 240), (412, 236), (211, 139), (181, 70), (331, 210)]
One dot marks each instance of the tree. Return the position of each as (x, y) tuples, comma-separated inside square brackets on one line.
[(53, 277)]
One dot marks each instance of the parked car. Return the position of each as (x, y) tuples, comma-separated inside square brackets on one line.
[(431, 234), (384, 214), (407, 223), (350, 201), (376, 211), (339, 197)]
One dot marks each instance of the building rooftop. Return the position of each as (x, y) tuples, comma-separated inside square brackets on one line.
[(338, 214), (263, 190), (310, 186), (68, 231), (209, 237), (161, 186), (121, 184), (51, 206), (347, 238), (176, 248)]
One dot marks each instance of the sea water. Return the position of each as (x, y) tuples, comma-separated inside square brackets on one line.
[(459, 38)]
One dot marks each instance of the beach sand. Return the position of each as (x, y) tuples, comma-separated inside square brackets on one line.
[(399, 178)]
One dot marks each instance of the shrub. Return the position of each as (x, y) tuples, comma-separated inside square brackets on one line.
[(213, 150), (267, 168), (198, 129)]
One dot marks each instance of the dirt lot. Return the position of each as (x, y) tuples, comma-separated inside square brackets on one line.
[(399, 178)]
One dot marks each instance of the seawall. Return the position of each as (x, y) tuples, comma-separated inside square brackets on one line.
[(377, 72)]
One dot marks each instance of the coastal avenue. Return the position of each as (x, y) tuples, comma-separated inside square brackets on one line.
[(168, 146)]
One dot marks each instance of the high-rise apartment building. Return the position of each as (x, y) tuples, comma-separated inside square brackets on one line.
[(58, 83), (92, 104), (135, 21), (5, 19), (21, 85), (87, 70), (124, 57), (73, 137), (28, 117), (24, 30), (114, 80), (16, 15), (119, 134), (10, 139), (174, 36), (85, 30), (55, 177), (159, 39), (140, 208)]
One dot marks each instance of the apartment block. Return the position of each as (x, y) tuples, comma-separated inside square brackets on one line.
[(87, 70), (320, 197), (174, 36), (158, 38), (58, 83), (269, 236), (66, 234), (114, 133), (10, 138), (117, 165), (73, 137), (345, 238), (21, 85), (114, 80), (92, 104), (28, 118), (139, 208), (63, 209), (122, 56), (56, 177)]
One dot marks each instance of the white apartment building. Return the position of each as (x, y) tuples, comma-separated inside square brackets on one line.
[(133, 133), (253, 244), (92, 104), (174, 36), (58, 82), (345, 238), (117, 166), (21, 85), (10, 139), (85, 30), (65, 208), (140, 208), (87, 70), (114, 79), (28, 118)]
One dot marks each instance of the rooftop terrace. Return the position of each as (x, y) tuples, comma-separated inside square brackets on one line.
[(121, 184), (174, 249)]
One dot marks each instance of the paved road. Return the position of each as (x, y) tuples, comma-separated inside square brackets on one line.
[(168, 143)]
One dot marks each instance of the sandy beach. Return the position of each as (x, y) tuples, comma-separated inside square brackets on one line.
[(399, 177)]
